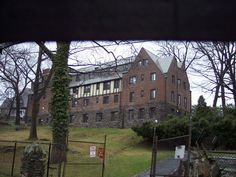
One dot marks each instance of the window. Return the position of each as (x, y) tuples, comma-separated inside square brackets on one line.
[(142, 77), (86, 102), (152, 94), (179, 99), (74, 90), (131, 114), (87, 88), (131, 97), (106, 85), (114, 115), (85, 118), (141, 113), (173, 79), (185, 102), (145, 62), (139, 64), (152, 112), (184, 85), (153, 76), (116, 98), (179, 81), (172, 96), (116, 84), (77, 77), (97, 86), (105, 99), (142, 93), (97, 100), (132, 80), (98, 117)]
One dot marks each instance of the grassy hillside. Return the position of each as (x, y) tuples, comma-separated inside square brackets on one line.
[(126, 154)]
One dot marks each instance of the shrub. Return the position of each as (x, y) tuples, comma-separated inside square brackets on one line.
[(171, 128)]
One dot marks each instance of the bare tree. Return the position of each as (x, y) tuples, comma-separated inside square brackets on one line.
[(218, 68), (182, 51), (7, 97), (213, 61), (40, 84), (14, 71)]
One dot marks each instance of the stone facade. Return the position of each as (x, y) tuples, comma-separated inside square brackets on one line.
[(133, 91)]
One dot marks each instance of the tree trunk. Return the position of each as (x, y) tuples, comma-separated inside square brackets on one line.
[(10, 109), (223, 98), (216, 96), (17, 122), (59, 103), (35, 109), (33, 128)]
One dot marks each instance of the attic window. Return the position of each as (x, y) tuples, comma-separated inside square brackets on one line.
[(145, 62), (139, 64)]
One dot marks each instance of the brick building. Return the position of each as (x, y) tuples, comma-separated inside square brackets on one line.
[(127, 92)]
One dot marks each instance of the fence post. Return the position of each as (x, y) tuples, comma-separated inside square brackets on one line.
[(65, 162), (189, 145), (154, 154), (49, 155), (103, 161), (13, 160)]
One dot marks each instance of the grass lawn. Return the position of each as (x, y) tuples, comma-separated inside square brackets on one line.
[(126, 153)]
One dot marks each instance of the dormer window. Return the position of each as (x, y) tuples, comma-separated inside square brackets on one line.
[(87, 88), (107, 85), (117, 83)]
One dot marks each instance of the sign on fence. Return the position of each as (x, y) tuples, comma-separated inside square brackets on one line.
[(92, 151), (179, 152), (101, 153)]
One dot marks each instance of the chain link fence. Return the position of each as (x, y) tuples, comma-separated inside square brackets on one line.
[(83, 159), (226, 161)]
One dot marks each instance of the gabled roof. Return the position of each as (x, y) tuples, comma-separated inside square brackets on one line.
[(162, 63)]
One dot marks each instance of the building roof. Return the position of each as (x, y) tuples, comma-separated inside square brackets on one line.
[(105, 65), (6, 103), (24, 97), (162, 63), (97, 79)]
